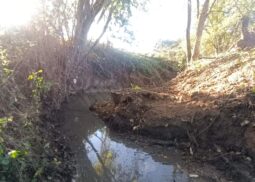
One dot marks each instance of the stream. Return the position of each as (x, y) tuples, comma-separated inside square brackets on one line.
[(103, 155)]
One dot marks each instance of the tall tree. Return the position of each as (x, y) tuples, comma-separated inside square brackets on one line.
[(188, 32), (90, 10), (200, 27), (86, 13), (73, 19), (198, 8)]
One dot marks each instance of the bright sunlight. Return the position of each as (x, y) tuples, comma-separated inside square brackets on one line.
[(163, 20), (16, 12)]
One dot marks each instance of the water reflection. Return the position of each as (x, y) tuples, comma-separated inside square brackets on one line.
[(117, 162), (103, 156)]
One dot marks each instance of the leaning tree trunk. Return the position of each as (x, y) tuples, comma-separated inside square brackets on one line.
[(200, 28), (84, 21), (188, 33), (198, 8), (87, 11)]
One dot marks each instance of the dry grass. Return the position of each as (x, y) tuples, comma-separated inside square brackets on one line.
[(229, 74)]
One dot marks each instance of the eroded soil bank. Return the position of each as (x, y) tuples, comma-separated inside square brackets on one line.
[(207, 112), (222, 135), (215, 126), (101, 154)]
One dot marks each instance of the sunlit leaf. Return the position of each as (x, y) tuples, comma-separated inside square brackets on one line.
[(14, 154)]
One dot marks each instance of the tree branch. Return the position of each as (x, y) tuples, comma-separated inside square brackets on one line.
[(213, 3), (104, 29), (198, 7)]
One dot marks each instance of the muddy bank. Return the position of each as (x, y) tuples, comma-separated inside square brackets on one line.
[(57, 155), (219, 131), (129, 157), (103, 71)]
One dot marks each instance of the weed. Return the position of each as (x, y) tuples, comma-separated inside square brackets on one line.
[(39, 85), (10, 163), (135, 88)]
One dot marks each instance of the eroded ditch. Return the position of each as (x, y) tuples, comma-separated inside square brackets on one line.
[(104, 155)]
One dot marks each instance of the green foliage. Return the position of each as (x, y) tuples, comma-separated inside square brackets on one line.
[(223, 27), (5, 70), (253, 90), (5, 120), (58, 17), (39, 85), (10, 163), (123, 10), (173, 52), (197, 65)]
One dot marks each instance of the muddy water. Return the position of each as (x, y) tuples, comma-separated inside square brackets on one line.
[(102, 155)]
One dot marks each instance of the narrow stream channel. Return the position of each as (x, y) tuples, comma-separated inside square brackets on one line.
[(103, 155)]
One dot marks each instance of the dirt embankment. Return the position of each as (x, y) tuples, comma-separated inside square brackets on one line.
[(107, 69), (208, 111)]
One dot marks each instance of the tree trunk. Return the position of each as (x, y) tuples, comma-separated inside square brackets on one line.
[(248, 37), (81, 33), (245, 27), (200, 28), (83, 24), (188, 33), (86, 13), (198, 8)]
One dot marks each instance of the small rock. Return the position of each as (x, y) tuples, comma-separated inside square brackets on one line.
[(135, 127), (218, 150), (245, 122), (248, 159), (191, 151), (74, 80), (238, 153), (193, 175)]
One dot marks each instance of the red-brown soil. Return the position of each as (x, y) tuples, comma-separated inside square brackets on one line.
[(208, 111)]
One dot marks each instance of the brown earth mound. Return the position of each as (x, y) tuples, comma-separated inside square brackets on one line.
[(207, 110)]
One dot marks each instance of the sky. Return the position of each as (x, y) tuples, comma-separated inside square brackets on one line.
[(16, 12), (163, 20)]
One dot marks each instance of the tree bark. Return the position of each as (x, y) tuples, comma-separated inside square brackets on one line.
[(86, 14), (198, 8), (248, 37), (188, 33), (104, 29), (200, 28), (245, 27)]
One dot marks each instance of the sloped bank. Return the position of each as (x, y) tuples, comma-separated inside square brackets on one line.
[(215, 127), (223, 136), (102, 71)]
